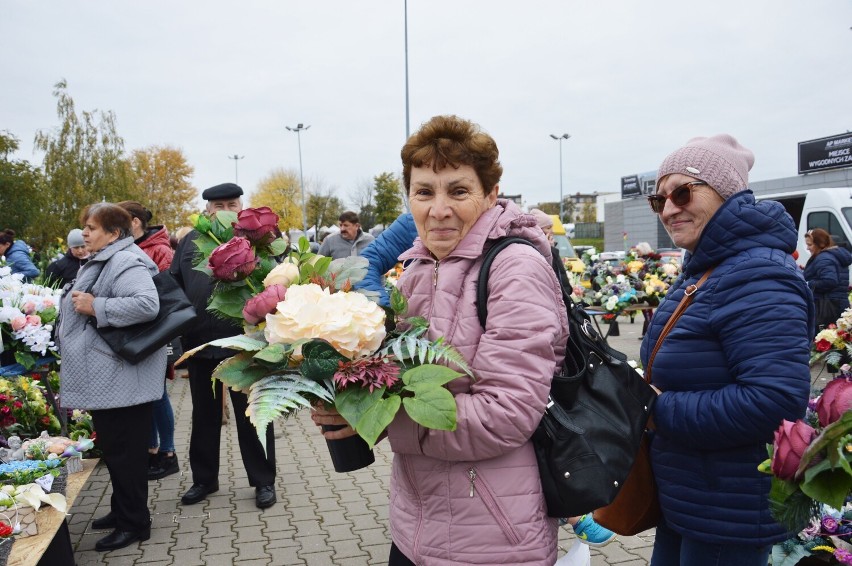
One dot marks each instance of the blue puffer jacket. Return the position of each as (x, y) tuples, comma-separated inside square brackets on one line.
[(18, 258), (827, 274), (732, 368), (382, 253)]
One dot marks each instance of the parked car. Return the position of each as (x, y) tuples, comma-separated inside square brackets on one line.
[(674, 253)]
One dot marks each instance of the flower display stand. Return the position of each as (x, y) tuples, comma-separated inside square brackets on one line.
[(52, 528)]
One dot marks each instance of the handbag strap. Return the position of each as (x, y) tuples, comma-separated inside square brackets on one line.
[(688, 295)]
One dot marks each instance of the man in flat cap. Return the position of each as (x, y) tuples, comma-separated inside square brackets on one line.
[(207, 405)]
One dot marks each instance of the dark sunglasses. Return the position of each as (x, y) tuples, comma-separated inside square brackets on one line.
[(680, 196)]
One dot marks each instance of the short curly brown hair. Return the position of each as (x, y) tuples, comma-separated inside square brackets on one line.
[(452, 141)]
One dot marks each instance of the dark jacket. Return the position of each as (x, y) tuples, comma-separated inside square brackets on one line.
[(827, 274), (64, 270), (732, 368), (18, 258), (199, 288)]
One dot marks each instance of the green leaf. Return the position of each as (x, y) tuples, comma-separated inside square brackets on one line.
[(320, 360), (321, 265), (428, 375), (239, 372), (826, 484), (306, 271), (281, 394), (25, 359), (368, 413), (376, 419), (304, 245), (351, 268), (222, 227), (398, 302), (432, 407), (229, 301), (274, 354), (279, 246), (829, 435)]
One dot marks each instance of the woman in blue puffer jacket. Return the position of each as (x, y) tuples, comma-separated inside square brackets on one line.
[(827, 274), (733, 366), (17, 255)]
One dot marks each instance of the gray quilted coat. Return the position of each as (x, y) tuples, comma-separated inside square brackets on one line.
[(92, 376)]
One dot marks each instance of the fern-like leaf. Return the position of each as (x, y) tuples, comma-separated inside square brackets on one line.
[(281, 394)]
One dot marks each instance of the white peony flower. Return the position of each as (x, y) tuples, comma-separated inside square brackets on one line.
[(350, 322), (282, 274)]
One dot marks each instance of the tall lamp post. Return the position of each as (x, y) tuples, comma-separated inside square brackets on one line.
[(298, 129), (561, 200), (236, 159)]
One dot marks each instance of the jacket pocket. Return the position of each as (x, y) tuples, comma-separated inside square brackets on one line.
[(480, 488)]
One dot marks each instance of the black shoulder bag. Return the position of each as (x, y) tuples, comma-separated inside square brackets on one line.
[(136, 342), (592, 427)]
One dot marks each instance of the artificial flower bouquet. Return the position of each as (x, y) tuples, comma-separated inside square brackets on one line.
[(615, 294), (24, 409), (834, 343), (27, 314), (811, 464), (309, 337)]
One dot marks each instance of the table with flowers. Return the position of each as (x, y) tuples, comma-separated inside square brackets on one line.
[(52, 528)]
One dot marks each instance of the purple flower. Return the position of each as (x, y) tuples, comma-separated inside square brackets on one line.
[(843, 556), (829, 524)]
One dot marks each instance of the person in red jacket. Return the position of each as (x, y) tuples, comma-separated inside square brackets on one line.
[(154, 241)]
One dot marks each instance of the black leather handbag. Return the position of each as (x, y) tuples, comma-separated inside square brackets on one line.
[(589, 435), (136, 342)]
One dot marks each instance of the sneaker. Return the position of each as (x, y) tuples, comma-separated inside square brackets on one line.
[(164, 466), (591, 533)]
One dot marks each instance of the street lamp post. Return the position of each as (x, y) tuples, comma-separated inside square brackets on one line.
[(298, 129), (561, 200), (236, 159)]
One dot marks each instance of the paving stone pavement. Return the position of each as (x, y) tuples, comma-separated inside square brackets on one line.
[(322, 518)]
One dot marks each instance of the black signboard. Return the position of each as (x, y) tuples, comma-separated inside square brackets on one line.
[(630, 187), (825, 153)]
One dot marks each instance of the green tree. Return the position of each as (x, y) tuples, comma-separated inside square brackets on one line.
[(362, 201), (161, 176), (280, 191), (23, 196), (323, 209), (83, 163), (589, 213), (388, 198)]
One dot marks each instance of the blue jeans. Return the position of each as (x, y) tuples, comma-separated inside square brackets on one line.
[(672, 549), (163, 424)]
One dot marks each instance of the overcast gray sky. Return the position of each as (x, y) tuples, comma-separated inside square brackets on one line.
[(629, 80)]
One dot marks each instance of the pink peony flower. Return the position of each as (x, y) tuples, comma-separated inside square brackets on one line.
[(33, 320), (829, 524), (366, 372), (257, 225), (18, 322), (48, 303), (791, 441), (263, 303), (29, 308), (835, 400), (233, 260)]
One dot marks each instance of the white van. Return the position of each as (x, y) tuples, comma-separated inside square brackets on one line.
[(828, 208)]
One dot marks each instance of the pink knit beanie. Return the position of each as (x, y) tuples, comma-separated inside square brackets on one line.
[(542, 218), (720, 161)]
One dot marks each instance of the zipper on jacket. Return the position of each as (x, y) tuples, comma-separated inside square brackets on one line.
[(490, 502), (435, 276)]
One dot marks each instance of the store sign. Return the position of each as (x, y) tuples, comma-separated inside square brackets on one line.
[(630, 187), (825, 153)]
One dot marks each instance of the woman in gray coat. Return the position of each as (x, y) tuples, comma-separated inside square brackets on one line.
[(115, 288)]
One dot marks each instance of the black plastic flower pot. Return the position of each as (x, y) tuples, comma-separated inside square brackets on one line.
[(348, 454)]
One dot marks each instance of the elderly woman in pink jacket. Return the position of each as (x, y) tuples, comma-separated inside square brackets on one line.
[(473, 495)]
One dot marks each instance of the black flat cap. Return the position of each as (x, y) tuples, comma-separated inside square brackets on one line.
[(224, 191)]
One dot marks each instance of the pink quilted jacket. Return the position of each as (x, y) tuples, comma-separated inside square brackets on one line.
[(473, 496)]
